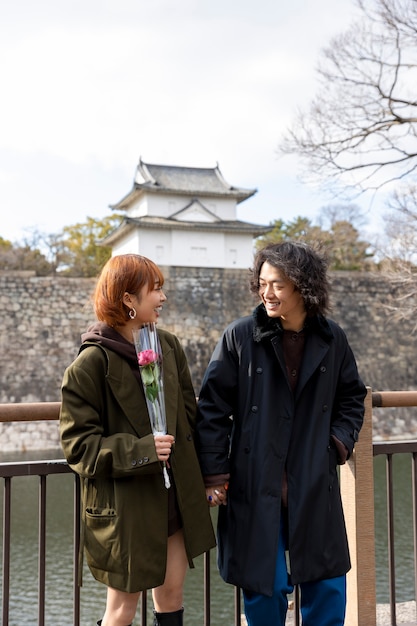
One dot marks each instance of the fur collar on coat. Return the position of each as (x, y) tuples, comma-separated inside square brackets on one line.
[(265, 327)]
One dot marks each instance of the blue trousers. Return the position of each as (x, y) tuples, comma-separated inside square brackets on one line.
[(322, 603)]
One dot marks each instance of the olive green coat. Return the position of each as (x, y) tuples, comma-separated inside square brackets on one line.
[(107, 440)]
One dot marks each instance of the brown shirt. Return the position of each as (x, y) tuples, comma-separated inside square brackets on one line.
[(293, 347)]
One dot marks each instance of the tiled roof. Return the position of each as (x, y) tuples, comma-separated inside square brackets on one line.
[(183, 180), (235, 226)]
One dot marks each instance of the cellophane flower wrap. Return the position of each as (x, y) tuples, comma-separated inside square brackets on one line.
[(149, 353)]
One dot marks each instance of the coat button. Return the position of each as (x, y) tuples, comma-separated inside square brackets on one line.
[(259, 370), (324, 408), (189, 437), (133, 462), (254, 409), (146, 459), (140, 461), (323, 369)]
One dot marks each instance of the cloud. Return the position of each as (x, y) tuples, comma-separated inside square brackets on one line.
[(90, 86)]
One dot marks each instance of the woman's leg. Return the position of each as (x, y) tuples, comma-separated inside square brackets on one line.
[(120, 608), (169, 596)]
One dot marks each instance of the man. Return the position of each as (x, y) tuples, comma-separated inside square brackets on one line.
[(281, 405)]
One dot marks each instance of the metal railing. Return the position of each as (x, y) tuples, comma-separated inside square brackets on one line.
[(389, 450), (41, 411), (396, 399), (42, 469)]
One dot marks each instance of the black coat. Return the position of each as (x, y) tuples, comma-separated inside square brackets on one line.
[(252, 426)]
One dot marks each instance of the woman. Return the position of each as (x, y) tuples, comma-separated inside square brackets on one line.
[(136, 533)]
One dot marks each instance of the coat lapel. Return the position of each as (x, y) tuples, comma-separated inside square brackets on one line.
[(315, 350), (132, 401), (126, 390), (169, 369)]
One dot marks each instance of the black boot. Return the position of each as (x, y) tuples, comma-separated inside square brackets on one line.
[(99, 623), (168, 619)]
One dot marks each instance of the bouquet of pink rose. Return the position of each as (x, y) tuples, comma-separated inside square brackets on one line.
[(149, 353)]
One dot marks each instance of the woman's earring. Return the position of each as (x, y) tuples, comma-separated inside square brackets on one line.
[(132, 313)]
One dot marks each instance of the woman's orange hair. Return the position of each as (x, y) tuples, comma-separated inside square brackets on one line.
[(122, 273)]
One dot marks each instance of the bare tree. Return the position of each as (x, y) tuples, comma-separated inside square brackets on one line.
[(361, 128), (76, 251), (396, 254), (332, 213), (23, 258), (340, 239)]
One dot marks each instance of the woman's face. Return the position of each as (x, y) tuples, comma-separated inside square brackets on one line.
[(148, 304)]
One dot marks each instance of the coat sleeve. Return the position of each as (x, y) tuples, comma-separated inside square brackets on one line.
[(348, 408), (96, 442), (216, 407)]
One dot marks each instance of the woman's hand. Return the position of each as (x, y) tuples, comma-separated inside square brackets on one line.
[(163, 445), (217, 495)]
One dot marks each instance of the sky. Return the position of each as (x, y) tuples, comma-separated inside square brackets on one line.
[(90, 86)]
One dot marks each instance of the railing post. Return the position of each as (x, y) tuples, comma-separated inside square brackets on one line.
[(357, 487)]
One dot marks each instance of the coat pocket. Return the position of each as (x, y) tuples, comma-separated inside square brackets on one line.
[(101, 538), (97, 517)]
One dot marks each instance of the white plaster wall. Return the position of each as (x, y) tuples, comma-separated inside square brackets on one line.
[(164, 206), (187, 248), (198, 249), (129, 244), (156, 245), (239, 251), (207, 249), (139, 208)]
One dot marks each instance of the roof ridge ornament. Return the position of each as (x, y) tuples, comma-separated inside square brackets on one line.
[(143, 174), (221, 177)]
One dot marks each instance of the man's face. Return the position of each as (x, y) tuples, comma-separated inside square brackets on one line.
[(279, 295)]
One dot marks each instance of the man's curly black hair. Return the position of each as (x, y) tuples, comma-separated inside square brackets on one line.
[(303, 265)]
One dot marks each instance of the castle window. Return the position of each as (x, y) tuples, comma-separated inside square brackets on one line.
[(198, 253)]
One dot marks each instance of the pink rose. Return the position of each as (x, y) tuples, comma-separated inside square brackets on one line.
[(146, 357)]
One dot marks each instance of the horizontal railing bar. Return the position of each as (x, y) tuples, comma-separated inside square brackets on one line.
[(39, 411), (394, 398), (34, 468), (394, 447), (29, 411)]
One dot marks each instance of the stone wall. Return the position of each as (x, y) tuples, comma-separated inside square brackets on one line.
[(42, 319)]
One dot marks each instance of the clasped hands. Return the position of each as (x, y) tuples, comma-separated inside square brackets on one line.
[(217, 495)]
